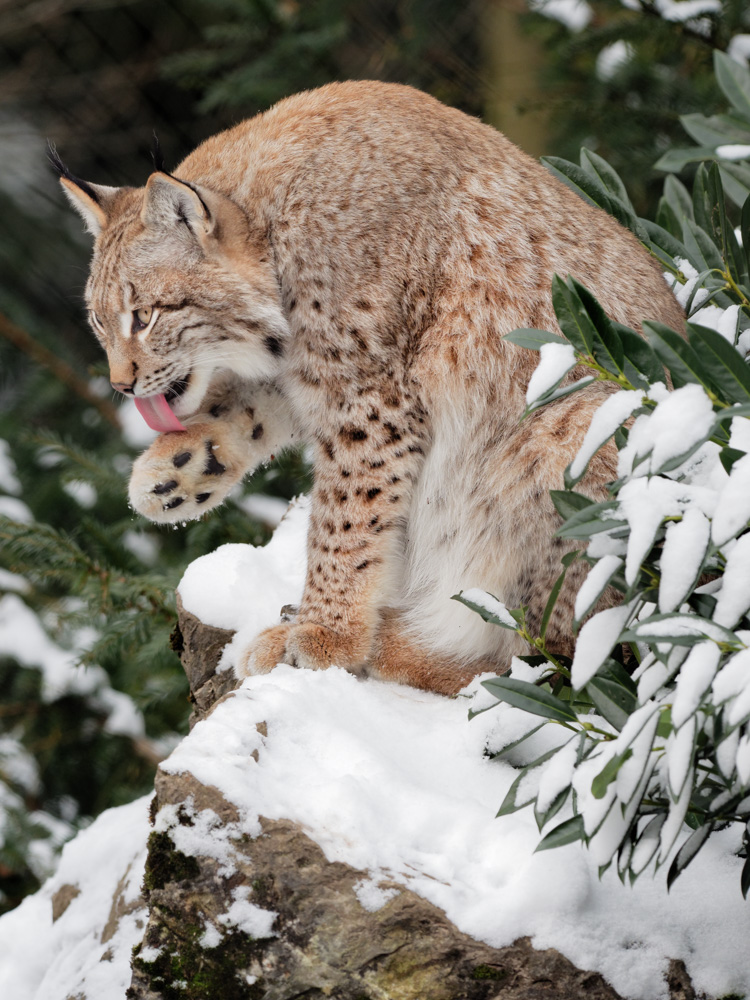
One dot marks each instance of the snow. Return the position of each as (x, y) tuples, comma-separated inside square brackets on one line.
[(396, 783), (686, 10), (739, 49), (266, 509), (611, 414), (556, 360), (734, 597), (15, 509), (597, 579), (83, 493), (9, 481), (733, 505), (595, 642), (612, 58), (733, 152), (42, 960), (574, 14), (684, 549), (491, 605), (246, 916), (696, 674)]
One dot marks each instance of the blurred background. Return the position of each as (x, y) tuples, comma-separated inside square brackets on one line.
[(91, 694)]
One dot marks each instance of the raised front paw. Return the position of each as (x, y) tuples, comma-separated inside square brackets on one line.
[(182, 475), (307, 645)]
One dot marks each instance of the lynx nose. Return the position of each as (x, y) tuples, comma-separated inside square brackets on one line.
[(126, 387)]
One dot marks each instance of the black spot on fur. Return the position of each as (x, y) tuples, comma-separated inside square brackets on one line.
[(371, 494), (257, 432), (347, 525), (202, 497), (174, 503), (163, 488), (217, 409), (363, 565), (182, 459), (274, 346)]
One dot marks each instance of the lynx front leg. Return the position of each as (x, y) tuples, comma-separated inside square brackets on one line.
[(182, 475), (364, 476)]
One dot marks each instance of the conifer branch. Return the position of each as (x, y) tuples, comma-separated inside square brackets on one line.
[(23, 340)]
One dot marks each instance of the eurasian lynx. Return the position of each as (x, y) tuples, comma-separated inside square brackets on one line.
[(341, 270)]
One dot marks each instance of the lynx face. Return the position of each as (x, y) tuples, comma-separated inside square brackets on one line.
[(173, 296)]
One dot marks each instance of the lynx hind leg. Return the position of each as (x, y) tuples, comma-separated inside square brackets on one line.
[(184, 474), (400, 657)]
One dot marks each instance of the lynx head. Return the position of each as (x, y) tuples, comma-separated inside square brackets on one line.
[(180, 288)]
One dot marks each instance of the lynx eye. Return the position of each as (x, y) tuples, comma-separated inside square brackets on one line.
[(141, 318)]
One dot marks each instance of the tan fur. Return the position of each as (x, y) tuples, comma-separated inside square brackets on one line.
[(341, 270)]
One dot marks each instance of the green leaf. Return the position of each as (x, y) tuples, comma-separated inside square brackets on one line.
[(667, 218), (666, 247), (736, 177), (677, 356), (608, 773), (589, 187), (485, 613), (702, 252), (688, 851), (728, 456), (571, 314), (530, 698), (723, 363), (533, 339), (640, 355), (734, 80), (551, 602), (745, 230), (542, 818), (678, 197), (589, 521), (510, 804), (568, 502), (567, 832), (551, 397), (606, 175), (675, 159), (745, 878), (499, 754), (718, 130), (612, 700), (607, 347)]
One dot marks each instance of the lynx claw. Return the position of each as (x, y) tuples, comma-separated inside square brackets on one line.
[(181, 476)]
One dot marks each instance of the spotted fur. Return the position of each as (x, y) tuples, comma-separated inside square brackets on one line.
[(346, 265)]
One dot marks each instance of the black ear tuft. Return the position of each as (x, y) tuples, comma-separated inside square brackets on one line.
[(62, 171), (157, 155)]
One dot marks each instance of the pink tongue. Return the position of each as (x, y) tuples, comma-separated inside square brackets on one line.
[(157, 413)]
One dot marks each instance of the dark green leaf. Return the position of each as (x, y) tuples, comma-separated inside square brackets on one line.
[(677, 356), (640, 355), (734, 80), (675, 159), (585, 186), (551, 602), (590, 521), (533, 339), (530, 698), (678, 197), (688, 851), (718, 130), (613, 701), (504, 751), (701, 251), (483, 612), (568, 502), (736, 177), (608, 773), (745, 878), (607, 347), (509, 804), (745, 230), (728, 456), (567, 832), (542, 818), (551, 397), (606, 175), (723, 363), (574, 321), (667, 218), (667, 247)]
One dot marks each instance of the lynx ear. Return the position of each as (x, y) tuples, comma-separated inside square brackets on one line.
[(169, 203), (91, 201)]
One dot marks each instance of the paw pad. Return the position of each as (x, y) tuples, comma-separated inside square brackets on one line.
[(182, 459), (163, 488), (174, 503), (213, 466)]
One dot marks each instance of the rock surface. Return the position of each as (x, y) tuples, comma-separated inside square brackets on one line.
[(283, 922)]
